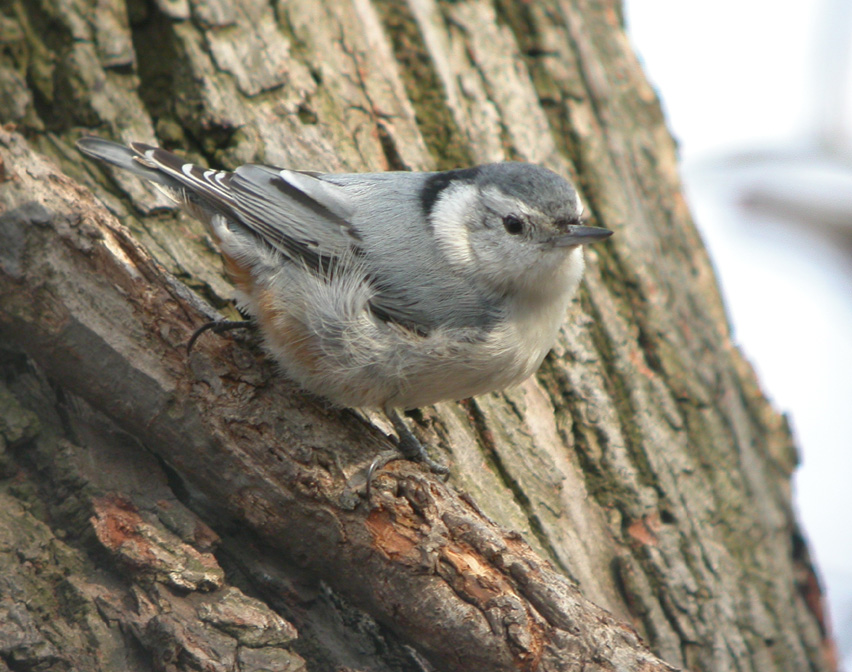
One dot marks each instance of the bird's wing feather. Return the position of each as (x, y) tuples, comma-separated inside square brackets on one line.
[(296, 213)]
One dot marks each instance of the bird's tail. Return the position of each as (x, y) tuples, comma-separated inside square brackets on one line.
[(127, 158)]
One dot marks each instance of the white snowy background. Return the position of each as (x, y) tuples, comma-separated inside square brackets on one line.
[(758, 94)]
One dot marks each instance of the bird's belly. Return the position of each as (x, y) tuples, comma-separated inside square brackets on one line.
[(339, 350), (499, 361)]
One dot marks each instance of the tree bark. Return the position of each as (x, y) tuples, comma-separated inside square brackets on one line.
[(629, 508)]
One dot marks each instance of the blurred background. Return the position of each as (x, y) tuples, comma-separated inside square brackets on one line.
[(758, 94)]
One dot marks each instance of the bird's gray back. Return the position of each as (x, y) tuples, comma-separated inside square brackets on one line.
[(416, 284)]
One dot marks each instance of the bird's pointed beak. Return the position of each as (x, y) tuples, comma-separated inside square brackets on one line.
[(581, 235)]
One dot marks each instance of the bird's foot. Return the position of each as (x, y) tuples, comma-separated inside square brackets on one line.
[(218, 327), (408, 448)]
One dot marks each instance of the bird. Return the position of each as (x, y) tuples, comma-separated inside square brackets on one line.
[(388, 290)]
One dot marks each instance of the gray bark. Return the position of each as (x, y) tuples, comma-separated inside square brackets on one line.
[(170, 512)]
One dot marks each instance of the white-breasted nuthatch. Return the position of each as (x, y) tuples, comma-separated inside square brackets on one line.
[(390, 290)]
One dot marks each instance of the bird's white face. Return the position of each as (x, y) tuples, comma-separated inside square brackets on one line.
[(503, 242)]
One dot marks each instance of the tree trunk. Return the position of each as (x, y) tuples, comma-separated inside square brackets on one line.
[(170, 512)]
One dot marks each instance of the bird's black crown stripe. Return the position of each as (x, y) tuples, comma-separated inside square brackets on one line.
[(437, 182)]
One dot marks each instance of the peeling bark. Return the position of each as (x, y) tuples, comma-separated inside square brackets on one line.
[(172, 512)]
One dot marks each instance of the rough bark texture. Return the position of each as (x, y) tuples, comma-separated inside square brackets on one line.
[(169, 512)]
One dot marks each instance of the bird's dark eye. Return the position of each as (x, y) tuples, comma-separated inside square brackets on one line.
[(513, 224)]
